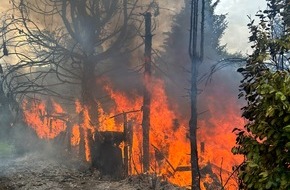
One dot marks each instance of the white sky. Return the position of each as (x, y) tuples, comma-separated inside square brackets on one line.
[(236, 36)]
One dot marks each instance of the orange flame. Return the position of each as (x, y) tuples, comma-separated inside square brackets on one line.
[(169, 135), (169, 147), (43, 118), (86, 126), (168, 140)]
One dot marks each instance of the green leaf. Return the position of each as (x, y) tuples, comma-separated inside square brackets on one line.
[(263, 92), (264, 174), (280, 96), (270, 133), (287, 128), (253, 165), (286, 118), (269, 184), (272, 90), (284, 180), (287, 145), (273, 121), (281, 113), (270, 111), (246, 178)]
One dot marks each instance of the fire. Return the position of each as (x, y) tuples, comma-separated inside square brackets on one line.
[(106, 122), (215, 132), (43, 117), (169, 143), (168, 135), (85, 126)]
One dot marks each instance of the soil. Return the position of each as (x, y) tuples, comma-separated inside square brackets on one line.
[(39, 171)]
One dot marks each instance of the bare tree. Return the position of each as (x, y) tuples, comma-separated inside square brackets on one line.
[(57, 43), (56, 48)]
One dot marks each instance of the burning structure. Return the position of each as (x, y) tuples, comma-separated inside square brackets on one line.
[(72, 74)]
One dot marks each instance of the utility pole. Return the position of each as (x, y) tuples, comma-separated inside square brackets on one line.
[(196, 55), (147, 92)]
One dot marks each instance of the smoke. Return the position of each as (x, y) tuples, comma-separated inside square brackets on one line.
[(165, 20), (217, 102), (5, 5), (236, 35)]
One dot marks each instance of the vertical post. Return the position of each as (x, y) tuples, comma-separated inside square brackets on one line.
[(82, 146), (69, 135), (147, 93), (130, 146), (126, 150), (82, 151), (90, 144)]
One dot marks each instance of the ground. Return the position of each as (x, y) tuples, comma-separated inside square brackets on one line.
[(43, 171)]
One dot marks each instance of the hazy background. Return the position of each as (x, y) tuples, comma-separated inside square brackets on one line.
[(236, 36)]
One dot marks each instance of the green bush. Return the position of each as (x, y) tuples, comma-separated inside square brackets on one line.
[(265, 140)]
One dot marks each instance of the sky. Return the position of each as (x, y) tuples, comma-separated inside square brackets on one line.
[(236, 35)]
